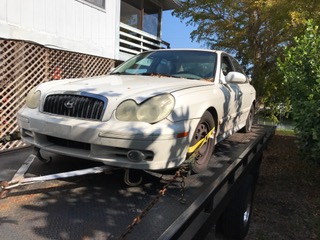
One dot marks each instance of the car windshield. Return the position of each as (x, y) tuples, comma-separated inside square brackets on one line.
[(189, 64)]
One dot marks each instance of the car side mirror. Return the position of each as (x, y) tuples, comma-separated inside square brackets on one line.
[(236, 77)]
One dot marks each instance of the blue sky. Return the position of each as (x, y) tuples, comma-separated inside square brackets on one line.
[(177, 33)]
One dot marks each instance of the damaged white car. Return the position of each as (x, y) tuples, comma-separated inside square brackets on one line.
[(146, 113)]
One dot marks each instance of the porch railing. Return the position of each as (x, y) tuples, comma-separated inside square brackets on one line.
[(134, 41)]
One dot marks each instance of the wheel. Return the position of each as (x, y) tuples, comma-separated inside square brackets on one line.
[(234, 222), (205, 152), (249, 122)]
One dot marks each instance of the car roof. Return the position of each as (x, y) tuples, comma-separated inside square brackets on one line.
[(188, 49)]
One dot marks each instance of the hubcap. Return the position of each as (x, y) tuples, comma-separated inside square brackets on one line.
[(201, 132), (246, 214)]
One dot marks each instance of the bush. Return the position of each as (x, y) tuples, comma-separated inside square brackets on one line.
[(301, 72)]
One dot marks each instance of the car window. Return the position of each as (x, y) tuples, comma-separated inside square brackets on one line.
[(138, 65), (164, 67), (237, 66), (190, 64), (226, 65)]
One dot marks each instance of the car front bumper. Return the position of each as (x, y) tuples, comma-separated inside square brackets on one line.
[(136, 145)]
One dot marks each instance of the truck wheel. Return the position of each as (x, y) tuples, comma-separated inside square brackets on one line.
[(234, 222), (249, 121), (205, 152)]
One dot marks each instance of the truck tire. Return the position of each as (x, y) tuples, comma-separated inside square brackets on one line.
[(235, 220), (204, 126)]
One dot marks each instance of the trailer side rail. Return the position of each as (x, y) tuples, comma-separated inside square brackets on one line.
[(206, 209)]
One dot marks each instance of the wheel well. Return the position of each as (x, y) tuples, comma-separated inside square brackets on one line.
[(214, 114)]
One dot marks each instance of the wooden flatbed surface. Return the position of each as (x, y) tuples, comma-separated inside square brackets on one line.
[(101, 206)]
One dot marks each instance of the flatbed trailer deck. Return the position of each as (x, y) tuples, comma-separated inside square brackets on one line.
[(102, 206)]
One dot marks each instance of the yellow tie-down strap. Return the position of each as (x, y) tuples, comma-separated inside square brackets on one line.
[(201, 142)]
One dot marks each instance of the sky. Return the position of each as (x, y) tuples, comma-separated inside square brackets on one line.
[(177, 33)]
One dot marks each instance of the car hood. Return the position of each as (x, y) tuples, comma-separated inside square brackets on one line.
[(117, 88), (122, 87)]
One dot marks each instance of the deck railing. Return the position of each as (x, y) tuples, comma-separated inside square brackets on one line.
[(134, 41)]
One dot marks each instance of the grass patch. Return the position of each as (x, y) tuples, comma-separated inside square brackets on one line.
[(285, 132)]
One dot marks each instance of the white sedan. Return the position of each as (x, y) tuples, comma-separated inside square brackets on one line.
[(145, 114)]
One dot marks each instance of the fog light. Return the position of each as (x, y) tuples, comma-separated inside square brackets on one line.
[(136, 156)]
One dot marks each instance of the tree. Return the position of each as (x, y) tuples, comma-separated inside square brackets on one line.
[(301, 73), (254, 31)]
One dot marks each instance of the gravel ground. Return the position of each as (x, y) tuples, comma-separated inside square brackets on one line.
[(287, 198)]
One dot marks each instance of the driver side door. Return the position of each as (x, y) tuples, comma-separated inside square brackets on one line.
[(233, 97)]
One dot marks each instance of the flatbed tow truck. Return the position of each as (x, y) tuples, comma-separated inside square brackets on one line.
[(76, 204)]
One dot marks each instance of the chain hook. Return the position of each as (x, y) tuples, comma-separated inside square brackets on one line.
[(128, 181)]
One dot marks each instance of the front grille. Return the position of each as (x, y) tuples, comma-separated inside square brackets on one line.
[(74, 106), (68, 143)]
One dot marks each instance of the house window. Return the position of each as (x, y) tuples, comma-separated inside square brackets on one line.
[(151, 18), (100, 4), (141, 14), (130, 15)]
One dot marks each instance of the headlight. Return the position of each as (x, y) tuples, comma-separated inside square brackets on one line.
[(153, 110), (127, 111), (33, 98)]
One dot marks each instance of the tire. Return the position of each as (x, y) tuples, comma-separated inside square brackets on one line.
[(202, 159), (249, 122), (235, 220)]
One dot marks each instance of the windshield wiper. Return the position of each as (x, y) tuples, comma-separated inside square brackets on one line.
[(121, 73), (155, 74), (158, 74)]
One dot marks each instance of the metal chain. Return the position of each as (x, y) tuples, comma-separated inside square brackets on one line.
[(182, 173), (3, 190), (182, 187)]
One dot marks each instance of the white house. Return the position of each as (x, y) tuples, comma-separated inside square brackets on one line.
[(111, 29)]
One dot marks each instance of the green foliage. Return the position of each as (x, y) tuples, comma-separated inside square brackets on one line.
[(301, 71)]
